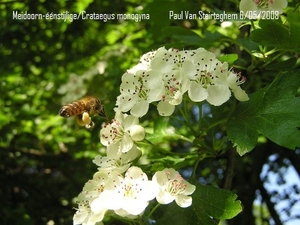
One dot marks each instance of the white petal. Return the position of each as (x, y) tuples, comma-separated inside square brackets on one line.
[(126, 101), (218, 94), (189, 189), (109, 199), (80, 216), (140, 108), (247, 5), (160, 177), (196, 92), (137, 68), (177, 98), (155, 85), (97, 205), (104, 135), (131, 155), (164, 197), (96, 218), (126, 143), (134, 207), (129, 121), (113, 152), (137, 132), (183, 200), (165, 109), (135, 172), (124, 213), (114, 146), (185, 84), (278, 5), (240, 94), (189, 69), (150, 190), (159, 64)]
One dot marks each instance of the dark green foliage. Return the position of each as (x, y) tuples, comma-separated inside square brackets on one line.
[(46, 159)]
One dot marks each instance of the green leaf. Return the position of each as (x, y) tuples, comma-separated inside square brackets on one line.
[(168, 160), (209, 203), (229, 58), (183, 35), (215, 202), (293, 19), (173, 214), (283, 65), (187, 37), (273, 111), (272, 33)]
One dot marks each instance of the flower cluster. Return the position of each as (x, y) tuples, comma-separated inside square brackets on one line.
[(251, 6), (164, 76), (122, 132), (121, 188)]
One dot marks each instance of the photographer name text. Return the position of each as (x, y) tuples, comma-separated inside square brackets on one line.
[(223, 16)]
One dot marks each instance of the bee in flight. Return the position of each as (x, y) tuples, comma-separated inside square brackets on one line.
[(82, 109)]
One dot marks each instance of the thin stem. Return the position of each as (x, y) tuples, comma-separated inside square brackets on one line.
[(164, 150), (186, 119), (195, 167), (152, 211), (200, 117), (274, 57), (217, 123)]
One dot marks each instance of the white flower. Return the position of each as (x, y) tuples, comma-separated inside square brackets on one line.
[(144, 63), (128, 195), (262, 5), (210, 79), (85, 216), (175, 85), (200, 68), (91, 191), (122, 132), (117, 161), (165, 75), (168, 63), (138, 89), (234, 80), (173, 187)]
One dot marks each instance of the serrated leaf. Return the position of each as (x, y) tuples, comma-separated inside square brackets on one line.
[(209, 203), (215, 202), (173, 214), (273, 111), (272, 33)]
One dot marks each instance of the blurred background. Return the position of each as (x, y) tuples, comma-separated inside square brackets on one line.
[(46, 159)]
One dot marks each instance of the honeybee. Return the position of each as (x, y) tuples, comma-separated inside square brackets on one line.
[(82, 109)]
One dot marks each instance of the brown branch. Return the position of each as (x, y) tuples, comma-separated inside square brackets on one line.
[(271, 207)]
